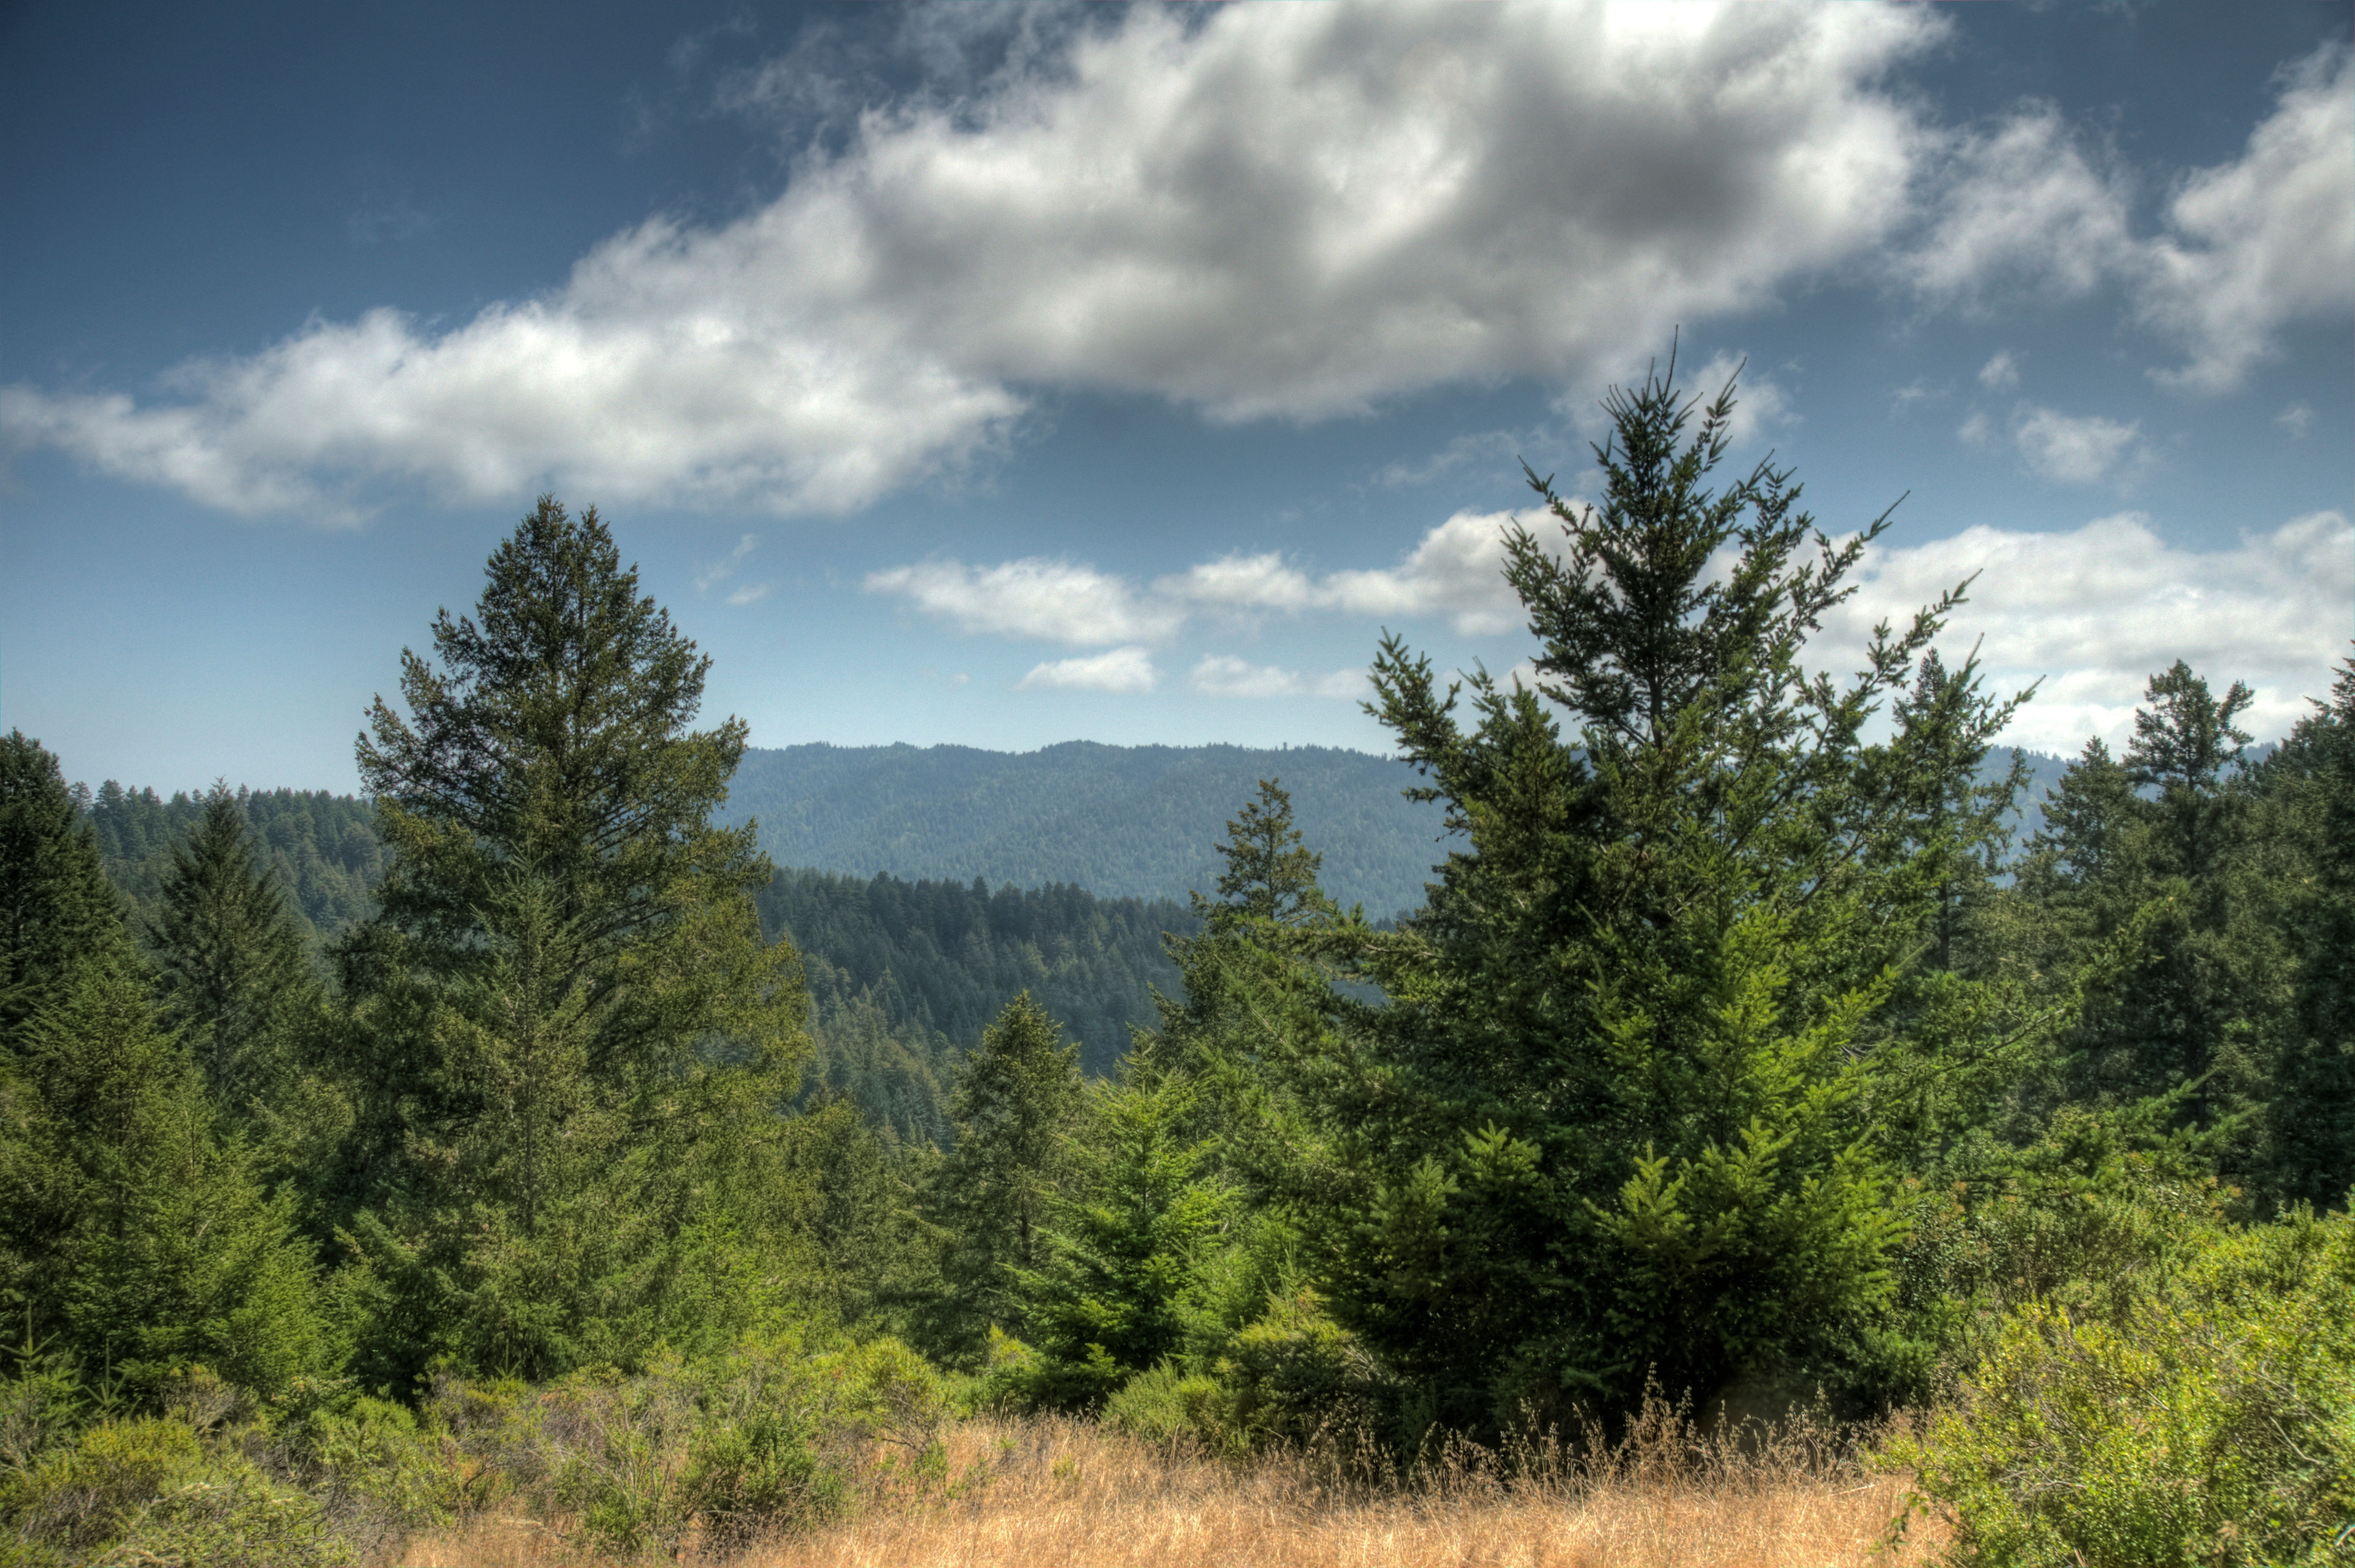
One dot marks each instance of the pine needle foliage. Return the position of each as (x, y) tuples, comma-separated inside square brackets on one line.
[(1613, 1116)]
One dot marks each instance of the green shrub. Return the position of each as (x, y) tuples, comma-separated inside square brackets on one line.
[(151, 1491), (1166, 1404), (2215, 1423)]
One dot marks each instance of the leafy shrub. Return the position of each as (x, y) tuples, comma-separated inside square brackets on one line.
[(2212, 1425), (1166, 1404), (151, 1491)]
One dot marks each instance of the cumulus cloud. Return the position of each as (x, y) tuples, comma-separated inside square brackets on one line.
[(2098, 610), (2075, 448), (1293, 211), (1454, 572), (2000, 372), (1282, 211), (1052, 600), (1223, 675), (2020, 205), (2266, 240), (1128, 670)]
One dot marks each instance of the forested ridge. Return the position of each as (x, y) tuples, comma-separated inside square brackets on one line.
[(1739, 1050)]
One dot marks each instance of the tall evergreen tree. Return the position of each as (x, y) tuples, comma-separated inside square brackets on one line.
[(1015, 1099), (2309, 788), (56, 911), (572, 1045), (1616, 1114), (129, 1232), (236, 977)]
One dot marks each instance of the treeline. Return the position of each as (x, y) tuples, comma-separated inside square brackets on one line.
[(322, 848), (1732, 1054), (903, 976), (1121, 821)]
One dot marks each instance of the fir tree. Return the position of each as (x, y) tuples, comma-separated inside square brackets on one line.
[(572, 1045), (1615, 1116), (235, 976), (1012, 1107), (58, 913), (132, 1235)]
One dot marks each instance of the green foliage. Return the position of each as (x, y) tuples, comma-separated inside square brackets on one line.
[(152, 1491), (569, 1040), (1121, 1283), (58, 914), (134, 1235), (234, 974), (2308, 789), (1612, 1118), (2210, 1425), (321, 851), (1015, 1100), (905, 975)]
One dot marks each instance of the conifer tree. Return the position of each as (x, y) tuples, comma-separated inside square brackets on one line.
[(573, 1046), (1615, 1116), (56, 911), (1013, 1104), (129, 1232), (235, 976)]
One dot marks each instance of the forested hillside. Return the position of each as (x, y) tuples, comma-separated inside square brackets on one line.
[(1121, 821), (903, 976), (322, 847)]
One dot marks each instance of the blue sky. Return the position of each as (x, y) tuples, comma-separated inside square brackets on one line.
[(1007, 374)]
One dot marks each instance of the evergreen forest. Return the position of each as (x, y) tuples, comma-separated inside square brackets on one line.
[(1753, 1041)]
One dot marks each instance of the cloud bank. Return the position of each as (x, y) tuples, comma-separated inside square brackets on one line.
[(1290, 211), (2093, 612)]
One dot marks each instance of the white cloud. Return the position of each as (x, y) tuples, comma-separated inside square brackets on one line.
[(1119, 670), (721, 570), (2000, 372), (1223, 675), (2017, 207), (2297, 419), (1457, 572), (1242, 582), (750, 593), (2266, 240), (2100, 608), (1289, 211), (1055, 601), (2075, 448), (1975, 430)]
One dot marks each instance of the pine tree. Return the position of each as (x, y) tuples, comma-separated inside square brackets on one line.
[(1123, 1284), (235, 973), (56, 911), (1013, 1104), (572, 1046), (1616, 1118), (131, 1234)]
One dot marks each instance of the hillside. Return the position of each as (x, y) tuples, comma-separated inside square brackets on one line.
[(1121, 821)]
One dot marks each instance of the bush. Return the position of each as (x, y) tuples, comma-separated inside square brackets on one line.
[(151, 1491), (2210, 1425)]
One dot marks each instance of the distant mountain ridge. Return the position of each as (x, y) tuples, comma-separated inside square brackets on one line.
[(1120, 821)]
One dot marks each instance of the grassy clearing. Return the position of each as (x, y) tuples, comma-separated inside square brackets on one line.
[(1029, 1492)]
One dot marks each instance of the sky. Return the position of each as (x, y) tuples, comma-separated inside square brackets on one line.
[(1006, 374)]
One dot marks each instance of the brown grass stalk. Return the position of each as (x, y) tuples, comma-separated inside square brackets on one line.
[(1042, 1492)]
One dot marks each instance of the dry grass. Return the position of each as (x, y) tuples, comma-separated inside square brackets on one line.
[(1037, 1493)]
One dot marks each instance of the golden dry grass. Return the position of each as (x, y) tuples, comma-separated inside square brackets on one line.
[(1044, 1493)]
